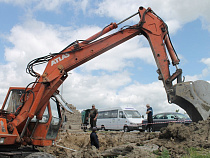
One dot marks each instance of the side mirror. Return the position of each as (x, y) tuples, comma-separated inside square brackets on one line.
[(142, 116)]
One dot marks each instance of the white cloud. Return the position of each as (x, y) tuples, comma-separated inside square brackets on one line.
[(192, 78), (18, 2), (50, 5), (206, 71), (118, 58), (33, 39), (114, 90), (206, 61), (174, 12)]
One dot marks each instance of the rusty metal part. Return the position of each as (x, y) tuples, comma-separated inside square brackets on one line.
[(27, 140), (10, 128), (18, 140)]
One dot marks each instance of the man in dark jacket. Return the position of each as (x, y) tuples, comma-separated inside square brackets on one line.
[(94, 138), (149, 117), (93, 116)]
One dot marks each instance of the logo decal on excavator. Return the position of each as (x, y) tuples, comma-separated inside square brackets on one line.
[(58, 59)]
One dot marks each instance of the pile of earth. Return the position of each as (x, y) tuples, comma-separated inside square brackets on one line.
[(175, 139), (112, 143)]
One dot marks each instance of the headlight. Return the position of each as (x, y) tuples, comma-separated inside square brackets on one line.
[(2, 140)]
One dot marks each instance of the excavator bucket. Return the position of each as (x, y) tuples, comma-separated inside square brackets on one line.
[(194, 98)]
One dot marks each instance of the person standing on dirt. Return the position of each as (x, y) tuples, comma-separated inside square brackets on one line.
[(93, 116), (94, 138), (149, 117)]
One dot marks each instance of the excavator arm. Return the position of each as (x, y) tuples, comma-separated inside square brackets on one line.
[(79, 52)]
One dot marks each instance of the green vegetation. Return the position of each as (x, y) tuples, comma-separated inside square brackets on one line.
[(164, 154), (191, 153), (197, 153)]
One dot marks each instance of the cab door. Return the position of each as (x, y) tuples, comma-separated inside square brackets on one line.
[(55, 121), (45, 131)]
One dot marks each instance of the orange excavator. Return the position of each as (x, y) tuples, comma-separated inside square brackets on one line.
[(28, 116)]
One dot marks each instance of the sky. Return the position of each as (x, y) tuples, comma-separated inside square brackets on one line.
[(123, 76)]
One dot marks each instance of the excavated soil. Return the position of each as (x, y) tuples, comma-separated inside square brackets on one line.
[(176, 139)]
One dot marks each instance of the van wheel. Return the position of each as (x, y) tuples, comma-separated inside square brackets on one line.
[(126, 129), (103, 128)]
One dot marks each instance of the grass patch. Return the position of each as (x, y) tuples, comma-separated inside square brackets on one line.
[(197, 153), (164, 154)]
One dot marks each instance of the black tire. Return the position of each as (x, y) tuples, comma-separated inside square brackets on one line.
[(152, 129), (40, 155), (126, 129)]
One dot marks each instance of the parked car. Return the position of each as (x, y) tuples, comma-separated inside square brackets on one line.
[(162, 120)]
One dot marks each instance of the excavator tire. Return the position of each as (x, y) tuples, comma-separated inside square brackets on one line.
[(40, 155)]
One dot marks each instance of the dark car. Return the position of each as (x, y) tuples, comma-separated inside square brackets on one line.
[(162, 120)]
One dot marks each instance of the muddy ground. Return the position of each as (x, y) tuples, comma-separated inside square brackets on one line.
[(173, 140)]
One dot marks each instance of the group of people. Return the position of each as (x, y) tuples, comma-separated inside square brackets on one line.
[(93, 118)]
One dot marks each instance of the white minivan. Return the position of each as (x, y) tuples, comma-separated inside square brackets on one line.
[(119, 118)]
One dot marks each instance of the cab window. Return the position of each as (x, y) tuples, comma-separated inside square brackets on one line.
[(160, 116), (56, 119), (45, 117), (55, 114), (170, 116), (121, 115), (13, 100)]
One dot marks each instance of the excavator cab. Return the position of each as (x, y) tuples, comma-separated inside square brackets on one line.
[(12, 101), (43, 127)]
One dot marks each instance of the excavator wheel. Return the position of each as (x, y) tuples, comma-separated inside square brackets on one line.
[(40, 155)]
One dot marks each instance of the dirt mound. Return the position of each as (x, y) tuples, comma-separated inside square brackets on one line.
[(174, 139), (111, 143), (175, 131), (86, 153), (196, 134)]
